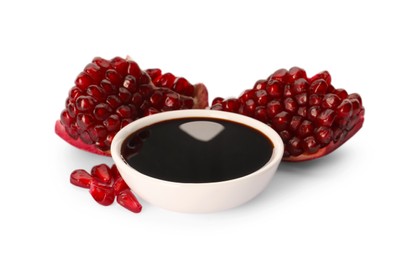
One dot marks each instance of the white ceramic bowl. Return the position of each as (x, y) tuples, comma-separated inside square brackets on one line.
[(197, 197)]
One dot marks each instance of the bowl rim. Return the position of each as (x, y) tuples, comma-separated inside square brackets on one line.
[(268, 131)]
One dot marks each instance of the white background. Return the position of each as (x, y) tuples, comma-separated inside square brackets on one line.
[(353, 204)]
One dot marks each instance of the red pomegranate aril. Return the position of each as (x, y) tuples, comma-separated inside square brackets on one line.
[(314, 112), (154, 74), (337, 134), (112, 123), (260, 84), (150, 111), (124, 95), (285, 135), (85, 103), (231, 105), (355, 96), (124, 111), (186, 103), (261, 97), (74, 93), (84, 121), (217, 100), (103, 63), (260, 114), (93, 70), (156, 99), (323, 135), (85, 137), (83, 81), (96, 92), (182, 86), (71, 110), (318, 86), (115, 172), (322, 75), (290, 105), (299, 86), (294, 147), (326, 117), (314, 100), (274, 89), (102, 111), (113, 77), (102, 172), (310, 145), (125, 122), (301, 99), (81, 178), (172, 101), (130, 83), (134, 69), (97, 133), (246, 95), (119, 185), (101, 193), (340, 92), (273, 108), (344, 110), (281, 75), (66, 118), (330, 101), (120, 65), (356, 106), (302, 111), (305, 129), (295, 123), (166, 80), (297, 73), (108, 87), (287, 91), (129, 201), (281, 121)]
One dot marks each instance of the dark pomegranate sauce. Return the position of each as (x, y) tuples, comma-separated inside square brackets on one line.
[(197, 150)]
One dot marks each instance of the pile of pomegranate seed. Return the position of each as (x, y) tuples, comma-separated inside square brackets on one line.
[(105, 185), (312, 117)]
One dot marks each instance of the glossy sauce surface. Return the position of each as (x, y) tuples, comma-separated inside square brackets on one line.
[(197, 150)]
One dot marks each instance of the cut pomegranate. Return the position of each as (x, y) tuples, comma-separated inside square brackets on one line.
[(105, 184), (312, 117), (109, 94)]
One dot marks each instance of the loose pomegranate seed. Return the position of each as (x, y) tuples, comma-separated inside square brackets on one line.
[(102, 193), (127, 199), (81, 178), (119, 186), (102, 172), (115, 172)]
